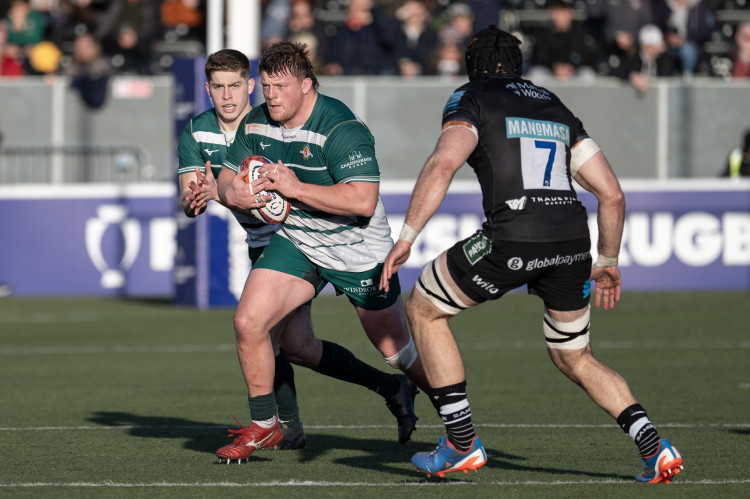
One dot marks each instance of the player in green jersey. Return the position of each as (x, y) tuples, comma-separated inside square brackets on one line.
[(336, 231), (202, 148)]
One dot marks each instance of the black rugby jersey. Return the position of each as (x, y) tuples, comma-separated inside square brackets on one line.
[(522, 159)]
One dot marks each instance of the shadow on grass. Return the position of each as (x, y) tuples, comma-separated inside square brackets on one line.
[(377, 454), (201, 436), (509, 462)]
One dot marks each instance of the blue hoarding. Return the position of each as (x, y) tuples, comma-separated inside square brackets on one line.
[(135, 241)]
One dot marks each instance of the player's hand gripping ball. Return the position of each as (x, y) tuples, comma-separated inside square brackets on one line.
[(276, 210)]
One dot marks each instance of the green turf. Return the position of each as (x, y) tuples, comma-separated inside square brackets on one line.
[(108, 397)]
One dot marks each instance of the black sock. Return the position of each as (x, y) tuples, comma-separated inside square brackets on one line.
[(286, 392), (453, 407), (338, 362), (634, 421)]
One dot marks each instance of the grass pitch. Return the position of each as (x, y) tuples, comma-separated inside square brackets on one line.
[(107, 398)]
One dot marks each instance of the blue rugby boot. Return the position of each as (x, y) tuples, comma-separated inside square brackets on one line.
[(447, 459), (661, 466)]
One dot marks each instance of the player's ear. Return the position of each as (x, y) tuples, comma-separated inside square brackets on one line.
[(306, 85), (250, 85)]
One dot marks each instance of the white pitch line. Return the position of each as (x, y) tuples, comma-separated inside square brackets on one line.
[(226, 347), (361, 427), (57, 350), (309, 483)]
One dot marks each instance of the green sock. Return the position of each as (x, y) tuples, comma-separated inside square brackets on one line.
[(338, 362), (262, 407), (286, 392)]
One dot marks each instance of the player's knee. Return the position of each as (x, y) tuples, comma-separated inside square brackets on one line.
[(404, 358), (300, 347), (244, 327), (567, 335)]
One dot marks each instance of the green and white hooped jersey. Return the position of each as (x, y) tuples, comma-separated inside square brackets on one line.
[(332, 147), (202, 140)]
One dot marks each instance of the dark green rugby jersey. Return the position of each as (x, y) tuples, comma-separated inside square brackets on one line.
[(202, 140), (333, 146)]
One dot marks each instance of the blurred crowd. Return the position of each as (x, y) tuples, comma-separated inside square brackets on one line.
[(636, 40)]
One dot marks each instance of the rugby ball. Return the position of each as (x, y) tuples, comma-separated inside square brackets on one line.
[(277, 209)]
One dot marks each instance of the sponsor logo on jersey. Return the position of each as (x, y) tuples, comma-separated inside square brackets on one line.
[(515, 263), (486, 285), (525, 89), (306, 152), (554, 200), (356, 159), (476, 247), (366, 288), (535, 129), (540, 263), (516, 204), (263, 146), (210, 151)]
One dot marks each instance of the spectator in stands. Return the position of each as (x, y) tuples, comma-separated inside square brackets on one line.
[(459, 24), (565, 50), (417, 39), (304, 27), (25, 28), (738, 162), (127, 31), (11, 64), (89, 71), (307, 38), (365, 44), (741, 60), (448, 60), (485, 12), (185, 19), (620, 22), (69, 18), (686, 25), (275, 17), (650, 61)]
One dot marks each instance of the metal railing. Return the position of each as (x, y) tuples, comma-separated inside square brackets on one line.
[(45, 164)]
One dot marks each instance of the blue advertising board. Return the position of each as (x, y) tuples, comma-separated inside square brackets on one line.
[(134, 240)]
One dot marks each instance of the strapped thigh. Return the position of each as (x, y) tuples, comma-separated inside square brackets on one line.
[(567, 335), (433, 286)]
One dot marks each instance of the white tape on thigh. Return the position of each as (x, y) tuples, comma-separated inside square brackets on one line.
[(432, 285), (567, 335), (404, 358)]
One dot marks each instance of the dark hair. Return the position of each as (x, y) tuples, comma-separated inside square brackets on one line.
[(227, 60), (288, 58), (493, 51)]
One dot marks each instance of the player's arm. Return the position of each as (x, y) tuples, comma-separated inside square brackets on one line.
[(197, 189), (454, 147), (186, 194), (353, 198), (236, 195), (593, 172)]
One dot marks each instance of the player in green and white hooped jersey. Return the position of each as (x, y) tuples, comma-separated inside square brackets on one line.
[(203, 144), (336, 232), (202, 147)]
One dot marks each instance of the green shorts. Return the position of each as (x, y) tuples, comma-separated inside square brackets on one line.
[(361, 288)]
